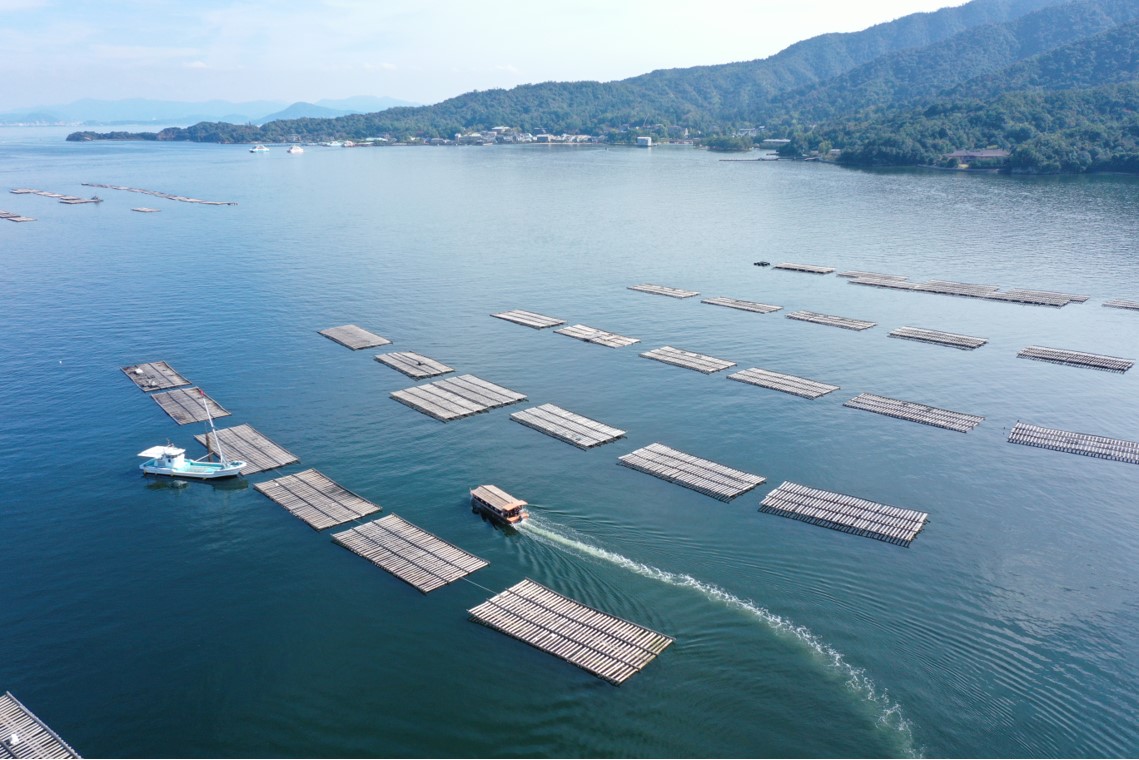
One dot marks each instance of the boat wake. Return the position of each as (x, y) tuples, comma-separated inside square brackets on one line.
[(890, 716)]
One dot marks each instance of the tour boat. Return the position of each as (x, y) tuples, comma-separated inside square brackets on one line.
[(295, 149), (258, 149), (171, 460), (498, 505)]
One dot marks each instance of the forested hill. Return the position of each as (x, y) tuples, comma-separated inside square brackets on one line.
[(904, 92), (972, 62), (700, 98), (1073, 109)]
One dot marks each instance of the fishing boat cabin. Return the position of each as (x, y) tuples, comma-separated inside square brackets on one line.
[(498, 505)]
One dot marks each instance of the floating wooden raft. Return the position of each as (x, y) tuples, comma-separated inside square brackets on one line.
[(567, 426), (413, 365), (966, 289), (872, 275), (735, 303), (810, 268), (879, 281), (145, 210), (1122, 303), (908, 410), (184, 405), (154, 376), (529, 318), (70, 199), (1075, 443), (687, 359), (456, 397), (662, 290), (1044, 296), (950, 288), (600, 337), (846, 513), (1076, 358), (32, 736), (701, 475), (798, 386), (316, 499), (12, 216), (964, 342), (160, 194), (409, 553), (604, 645), (354, 337), (847, 323), (244, 443)]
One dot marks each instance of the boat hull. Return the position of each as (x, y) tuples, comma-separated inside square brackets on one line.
[(195, 470)]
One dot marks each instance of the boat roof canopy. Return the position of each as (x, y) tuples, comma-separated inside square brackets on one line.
[(157, 451), (497, 498)]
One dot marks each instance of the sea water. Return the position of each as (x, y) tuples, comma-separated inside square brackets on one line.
[(143, 617)]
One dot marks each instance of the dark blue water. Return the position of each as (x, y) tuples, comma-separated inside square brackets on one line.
[(139, 618)]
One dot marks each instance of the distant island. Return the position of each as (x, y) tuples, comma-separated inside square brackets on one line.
[(1032, 86)]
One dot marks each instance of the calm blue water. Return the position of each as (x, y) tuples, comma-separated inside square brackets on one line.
[(142, 619)]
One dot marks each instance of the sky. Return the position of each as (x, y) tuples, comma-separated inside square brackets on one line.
[(57, 51)]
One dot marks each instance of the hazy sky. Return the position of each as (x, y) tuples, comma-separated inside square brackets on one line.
[(56, 51)]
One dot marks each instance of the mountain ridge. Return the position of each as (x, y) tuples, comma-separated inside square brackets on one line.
[(909, 91)]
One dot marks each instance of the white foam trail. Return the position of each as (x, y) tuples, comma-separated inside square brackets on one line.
[(890, 713)]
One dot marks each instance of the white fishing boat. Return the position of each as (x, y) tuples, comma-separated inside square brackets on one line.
[(295, 149), (171, 460), (258, 149)]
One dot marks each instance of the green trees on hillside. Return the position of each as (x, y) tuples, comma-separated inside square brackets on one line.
[(1052, 83)]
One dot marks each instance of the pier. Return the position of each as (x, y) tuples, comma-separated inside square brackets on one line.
[(414, 365), (846, 323), (1097, 446), (567, 426), (688, 360), (797, 386), (914, 412), (808, 268), (844, 513), (607, 646), (662, 290), (1076, 358), (701, 475), (456, 397), (246, 444), (937, 337), (600, 337), (735, 303), (184, 405), (159, 194), (354, 337), (154, 376), (313, 497), (23, 735), (529, 319), (410, 553)]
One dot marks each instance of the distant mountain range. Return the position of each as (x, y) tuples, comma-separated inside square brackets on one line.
[(1043, 85), (164, 113)]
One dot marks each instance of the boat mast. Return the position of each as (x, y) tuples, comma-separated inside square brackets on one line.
[(213, 431)]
